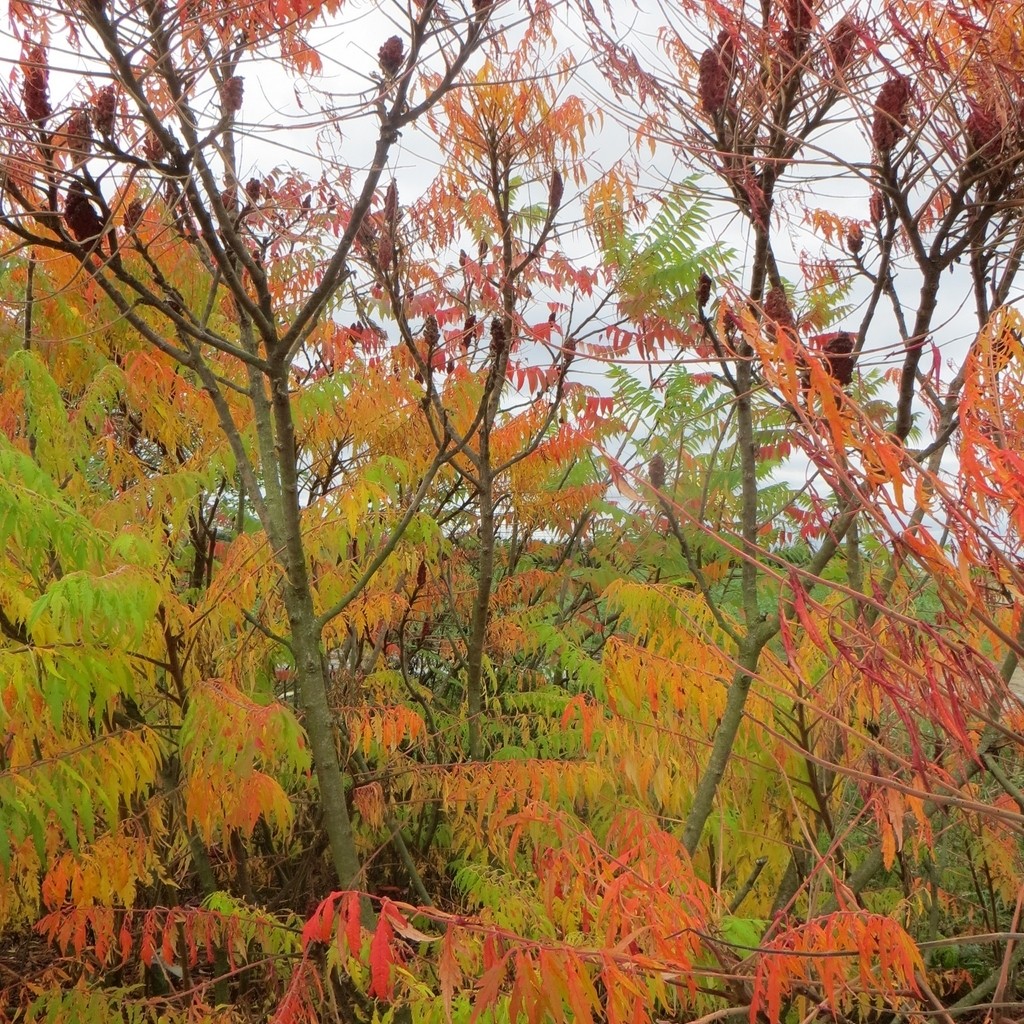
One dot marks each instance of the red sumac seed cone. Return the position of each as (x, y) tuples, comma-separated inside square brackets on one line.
[(656, 469), (232, 92), (104, 107), (35, 90), (890, 113), (391, 55)]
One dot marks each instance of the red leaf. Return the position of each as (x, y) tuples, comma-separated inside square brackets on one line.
[(381, 959), (802, 611), (170, 938), (125, 941), (319, 927), (491, 952), (353, 923)]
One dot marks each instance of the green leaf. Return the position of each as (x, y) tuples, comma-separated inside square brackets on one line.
[(742, 932)]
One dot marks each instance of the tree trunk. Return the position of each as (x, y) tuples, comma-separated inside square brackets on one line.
[(481, 609)]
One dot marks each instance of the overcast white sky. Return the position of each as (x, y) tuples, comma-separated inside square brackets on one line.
[(283, 125)]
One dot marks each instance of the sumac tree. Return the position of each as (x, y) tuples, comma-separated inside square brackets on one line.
[(401, 614)]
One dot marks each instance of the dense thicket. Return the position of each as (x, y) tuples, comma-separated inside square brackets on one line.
[(447, 572)]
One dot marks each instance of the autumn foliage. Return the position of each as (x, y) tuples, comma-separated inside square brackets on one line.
[(455, 570)]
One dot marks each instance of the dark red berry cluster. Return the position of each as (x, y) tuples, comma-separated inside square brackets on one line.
[(232, 91), (890, 113), (104, 107), (35, 90), (391, 56)]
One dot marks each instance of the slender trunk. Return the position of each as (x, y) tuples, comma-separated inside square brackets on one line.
[(208, 886), (29, 301), (481, 609), (757, 634), (319, 724), (788, 886), (854, 570), (747, 446), (721, 749), (307, 648)]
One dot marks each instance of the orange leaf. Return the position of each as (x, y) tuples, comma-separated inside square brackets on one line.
[(488, 988), (581, 995), (449, 974)]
